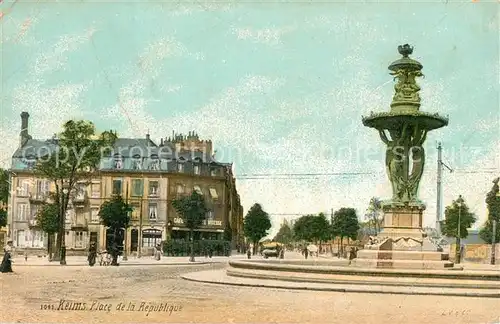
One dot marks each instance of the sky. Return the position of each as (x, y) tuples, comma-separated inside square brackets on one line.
[(279, 87)]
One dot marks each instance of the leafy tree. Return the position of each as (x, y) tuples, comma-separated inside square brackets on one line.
[(192, 210), (115, 214), (4, 186), (493, 203), (47, 219), (256, 224), (345, 224), (457, 220), (3, 217), (373, 214), (78, 155), (312, 228), (284, 235)]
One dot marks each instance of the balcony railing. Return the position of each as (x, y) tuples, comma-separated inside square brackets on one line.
[(39, 197), (79, 224)]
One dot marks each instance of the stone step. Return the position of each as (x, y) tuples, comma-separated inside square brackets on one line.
[(363, 280), (402, 255), (402, 264)]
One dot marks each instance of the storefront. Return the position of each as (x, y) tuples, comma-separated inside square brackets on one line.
[(209, 230)]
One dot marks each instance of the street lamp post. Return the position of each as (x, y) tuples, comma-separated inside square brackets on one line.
[(493, 242), (63, 223), (458, 255)]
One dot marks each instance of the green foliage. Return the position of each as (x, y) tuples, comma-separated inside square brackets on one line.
[(493, 204), (228, 234), (373, 213), (3, 217), (345, 223), (452, 214), (183, 247), (191, 209), (256, 223), (284, 235), (312, 228), (115, 213), (4, 186), (48, 218)]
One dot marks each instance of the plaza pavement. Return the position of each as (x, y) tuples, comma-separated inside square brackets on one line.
[(51, 294), (131, 261)]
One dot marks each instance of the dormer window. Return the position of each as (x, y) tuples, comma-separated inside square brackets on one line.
[(137, 162), (214, 172), (118, 162), (30, 161), (196, 169), (180, 165), (155, 163)]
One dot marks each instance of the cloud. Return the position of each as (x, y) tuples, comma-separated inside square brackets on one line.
[(270, 36), (56, 58)]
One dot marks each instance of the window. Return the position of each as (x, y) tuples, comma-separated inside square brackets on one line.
[(118, 162), (136, 210), (155, 163), (137, 163), (180, 189), (213, 172), (24, 188), (94, 214), (213, 194), (34, 211), (150, 238), (42, 187), (153, 211), (80, 192), (210, 215), (79, 241), (180, 167), (21, 238), (117, 187), (196, 169), (96, 190), (38, 237), (137, 187), (153, 188), (22, 212), (197, 189)]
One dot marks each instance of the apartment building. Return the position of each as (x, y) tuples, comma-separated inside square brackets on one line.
[(148, 175)]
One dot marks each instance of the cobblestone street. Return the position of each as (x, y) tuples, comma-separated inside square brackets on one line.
[(58, 294)]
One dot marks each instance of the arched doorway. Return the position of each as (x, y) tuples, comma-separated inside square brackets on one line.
[(110, 236), (134, 240)]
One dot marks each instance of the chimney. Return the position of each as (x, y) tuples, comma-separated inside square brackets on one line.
[(24, 128), (147, 137)]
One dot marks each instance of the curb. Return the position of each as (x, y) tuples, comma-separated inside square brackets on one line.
[(342, 290), (235, 274), (121, 264)]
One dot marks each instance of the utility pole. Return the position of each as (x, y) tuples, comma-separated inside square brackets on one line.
[(439, 194), (125, 230), (493, 242)]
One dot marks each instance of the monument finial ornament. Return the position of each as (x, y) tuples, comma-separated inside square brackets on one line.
[(405, 50)]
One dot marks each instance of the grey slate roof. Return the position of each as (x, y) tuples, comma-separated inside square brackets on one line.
[(134, 154)]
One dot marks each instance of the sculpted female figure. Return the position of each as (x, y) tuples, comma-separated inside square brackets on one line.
[(394, 159), (418, 157)]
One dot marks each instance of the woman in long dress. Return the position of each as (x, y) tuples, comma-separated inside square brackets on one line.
[(6, 265)]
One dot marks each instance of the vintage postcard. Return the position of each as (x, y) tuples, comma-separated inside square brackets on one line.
[(250, 161)]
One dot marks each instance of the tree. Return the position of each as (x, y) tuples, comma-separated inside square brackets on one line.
[(312, 228), (256, 224), (493, 203), (4, 186), (47, 219), (374, 215), (3, 217), (115, 214), (284, 235), (77, 157), (345, 224), (192, 210), (457, 219)]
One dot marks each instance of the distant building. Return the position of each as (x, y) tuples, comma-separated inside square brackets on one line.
[(148, 175)]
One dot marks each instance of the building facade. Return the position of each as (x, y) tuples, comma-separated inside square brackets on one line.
[(148, 175)]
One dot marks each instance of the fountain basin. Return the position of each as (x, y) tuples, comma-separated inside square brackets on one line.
[(394, 120)]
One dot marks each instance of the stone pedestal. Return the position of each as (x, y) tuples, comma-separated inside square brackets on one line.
[(402, 243)]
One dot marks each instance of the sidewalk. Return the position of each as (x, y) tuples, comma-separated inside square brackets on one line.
[(132, 261)]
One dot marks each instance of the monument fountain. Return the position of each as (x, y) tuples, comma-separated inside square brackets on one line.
[(403, 129), (401, 259)]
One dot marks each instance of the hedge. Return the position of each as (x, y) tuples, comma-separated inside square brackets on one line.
[(201, 248)]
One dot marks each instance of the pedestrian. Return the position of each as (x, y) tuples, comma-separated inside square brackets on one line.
[(6, 265), (249, 254), (210, 252), (158, 252), (306, 253), (92, 254)]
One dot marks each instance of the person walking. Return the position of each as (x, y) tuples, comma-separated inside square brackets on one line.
[(92, 254), (6, 265), (158, 252)]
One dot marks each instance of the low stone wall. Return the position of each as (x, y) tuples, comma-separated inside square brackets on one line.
[(478, 253)]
